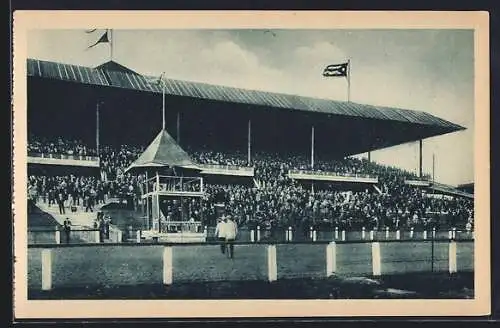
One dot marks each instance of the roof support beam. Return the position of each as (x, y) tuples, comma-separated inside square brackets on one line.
[(420, 159), (312, 147), (249, 145)]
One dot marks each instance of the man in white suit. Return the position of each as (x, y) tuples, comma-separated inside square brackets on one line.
[(231, 230), (220, 233)]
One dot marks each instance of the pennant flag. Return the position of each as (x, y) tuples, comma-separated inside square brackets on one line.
[(103, 39), (91, 31), (338, 70)]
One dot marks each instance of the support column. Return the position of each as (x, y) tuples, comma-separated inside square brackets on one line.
[(312, 147), (249, 145), (420, 159), (369, 156), (156, 199), (97, 141), (179, 128)]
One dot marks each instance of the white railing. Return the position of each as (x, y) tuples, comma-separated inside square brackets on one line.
[(227, 169), (64, 156), (332, 174)]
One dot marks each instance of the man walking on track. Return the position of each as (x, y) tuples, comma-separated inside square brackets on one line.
[(220, 233), (231, 233)]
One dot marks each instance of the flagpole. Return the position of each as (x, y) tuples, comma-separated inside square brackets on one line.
[(97, 128), (111, 43), (163, 99), (348, 80)]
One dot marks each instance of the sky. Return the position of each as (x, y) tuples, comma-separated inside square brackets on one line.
[(424, 70)]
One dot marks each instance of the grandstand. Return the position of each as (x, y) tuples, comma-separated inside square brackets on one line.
[(273, 160)]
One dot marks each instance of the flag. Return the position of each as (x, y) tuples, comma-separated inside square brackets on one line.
[(337, 70), (103, 39)]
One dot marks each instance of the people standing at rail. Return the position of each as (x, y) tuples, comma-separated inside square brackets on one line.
[(67, 229), (231, 233)]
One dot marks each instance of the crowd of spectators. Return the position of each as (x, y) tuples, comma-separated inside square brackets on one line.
[(59, 146), (284, 205), (278, 201)]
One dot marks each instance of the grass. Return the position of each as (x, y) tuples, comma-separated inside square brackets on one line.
[(203, 272)]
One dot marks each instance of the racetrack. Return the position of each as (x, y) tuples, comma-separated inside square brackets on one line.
[(121, 266)]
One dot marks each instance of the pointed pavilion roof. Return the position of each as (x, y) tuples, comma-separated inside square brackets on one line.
[(115, 67), (163, 151)]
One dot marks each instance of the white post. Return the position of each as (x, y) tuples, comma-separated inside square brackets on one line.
[(363, 233), (258, 233), (252, 236), (205, 231), (343, 235), (398, 234), (167, 266), (371, 234), (272, 268), (386, 232), (311, 232), (97, 234), (450, 234), (58, 236), (314, 235), (425, 234), (454, 234), (434, 233), (331, 259), (120, 239), (138, 236), (46, 269), (336, 233), (376, 262), (452, 257), (411, 232), (290, 234)]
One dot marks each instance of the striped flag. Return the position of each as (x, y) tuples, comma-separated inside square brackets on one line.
[(336, 70)]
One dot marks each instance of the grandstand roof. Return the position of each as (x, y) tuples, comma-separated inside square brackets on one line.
[(113, 74), (163, 151)]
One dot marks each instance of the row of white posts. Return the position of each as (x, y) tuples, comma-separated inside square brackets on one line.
[(272, 268), (313, 234), (289, 234)]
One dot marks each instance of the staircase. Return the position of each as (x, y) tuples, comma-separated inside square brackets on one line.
[(80, 218)]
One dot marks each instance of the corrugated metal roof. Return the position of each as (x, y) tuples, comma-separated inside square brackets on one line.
[(125, 80), (66, 72)]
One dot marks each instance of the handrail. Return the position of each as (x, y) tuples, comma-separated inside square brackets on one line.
[(61, 229), (215, 243), (64, 156), (227, 167), (332, 173)]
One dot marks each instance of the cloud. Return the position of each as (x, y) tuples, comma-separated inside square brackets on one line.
[(320, 53), (389, 71)]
